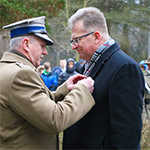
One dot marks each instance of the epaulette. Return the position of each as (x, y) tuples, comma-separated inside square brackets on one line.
[(21, 65)]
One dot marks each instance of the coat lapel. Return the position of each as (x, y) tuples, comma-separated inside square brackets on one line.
[(101, 61)]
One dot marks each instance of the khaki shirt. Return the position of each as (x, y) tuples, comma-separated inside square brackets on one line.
[(30, 114)]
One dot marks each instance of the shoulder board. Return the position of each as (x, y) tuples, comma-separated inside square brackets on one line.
[(21, 65)]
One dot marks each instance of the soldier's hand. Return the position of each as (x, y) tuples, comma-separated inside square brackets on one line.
[(71, 82), (89, 83)]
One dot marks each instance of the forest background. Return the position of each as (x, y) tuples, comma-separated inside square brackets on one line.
[(128, 23)]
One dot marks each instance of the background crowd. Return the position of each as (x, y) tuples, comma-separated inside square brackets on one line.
[(54, 77)]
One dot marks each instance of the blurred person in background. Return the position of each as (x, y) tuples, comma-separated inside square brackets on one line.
[(47, 69), (79, 65), (70, 71), (40, 69), (50, 80), (61, 68), (143, 66), (147, 87)]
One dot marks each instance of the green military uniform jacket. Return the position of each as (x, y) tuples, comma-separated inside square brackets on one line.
[(30, 114)]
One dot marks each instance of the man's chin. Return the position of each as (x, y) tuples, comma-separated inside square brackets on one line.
[(82, 57)]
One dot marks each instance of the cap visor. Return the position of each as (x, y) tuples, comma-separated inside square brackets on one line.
[(46, 38)]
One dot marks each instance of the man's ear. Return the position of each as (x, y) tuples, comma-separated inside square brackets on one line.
[(26, 44), (97, 37)]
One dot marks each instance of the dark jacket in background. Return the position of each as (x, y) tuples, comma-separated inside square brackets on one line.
[(68, 73)]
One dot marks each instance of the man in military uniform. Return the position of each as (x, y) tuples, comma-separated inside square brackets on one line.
[(31, 115)]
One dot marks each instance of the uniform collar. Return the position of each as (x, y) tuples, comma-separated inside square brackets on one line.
[(18, 53), (12, 57)]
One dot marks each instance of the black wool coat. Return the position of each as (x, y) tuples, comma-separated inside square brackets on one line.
[(115, 121)]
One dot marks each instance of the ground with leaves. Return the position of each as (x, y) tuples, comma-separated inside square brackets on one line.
[(145, 140)]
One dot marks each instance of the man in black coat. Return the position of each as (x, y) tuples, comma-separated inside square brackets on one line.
[(115, 121)]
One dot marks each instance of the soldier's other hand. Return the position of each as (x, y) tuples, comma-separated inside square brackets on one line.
[(88, 82)]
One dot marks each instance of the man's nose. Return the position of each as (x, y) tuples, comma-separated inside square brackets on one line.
[(45, 51), (74, 46)]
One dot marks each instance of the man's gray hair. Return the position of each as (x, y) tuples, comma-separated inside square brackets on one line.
[(15, 42), (93, 19)]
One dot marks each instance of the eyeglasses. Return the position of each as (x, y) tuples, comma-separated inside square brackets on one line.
[(76, 40)]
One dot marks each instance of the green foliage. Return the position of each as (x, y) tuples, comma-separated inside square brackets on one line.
[(119, 11), (14, 10), (128, 22)]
